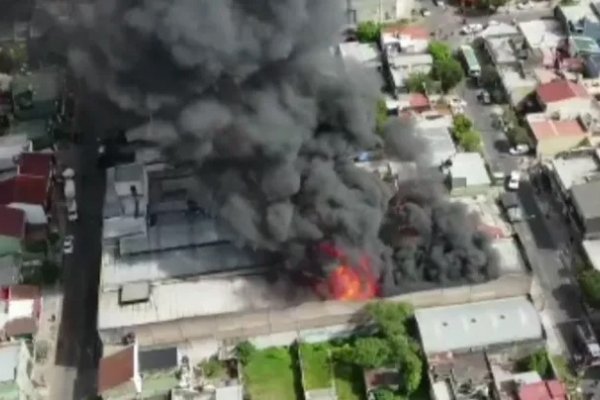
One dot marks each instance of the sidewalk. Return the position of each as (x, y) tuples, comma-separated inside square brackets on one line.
[(46, 340)]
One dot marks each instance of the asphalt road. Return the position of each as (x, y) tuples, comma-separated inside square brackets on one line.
[(78, 346)]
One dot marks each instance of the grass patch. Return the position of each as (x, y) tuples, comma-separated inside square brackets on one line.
[(349, 381), (317, 366), (269, 374)]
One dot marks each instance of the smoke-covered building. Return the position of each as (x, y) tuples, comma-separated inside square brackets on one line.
[(357, 11)]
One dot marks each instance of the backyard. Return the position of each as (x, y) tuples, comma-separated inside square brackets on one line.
[(269, 374), (316, 365)]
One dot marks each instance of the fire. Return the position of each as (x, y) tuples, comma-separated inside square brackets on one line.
[(348, 282)]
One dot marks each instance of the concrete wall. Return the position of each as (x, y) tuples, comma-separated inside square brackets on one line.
[(549, 147), (280, 326)]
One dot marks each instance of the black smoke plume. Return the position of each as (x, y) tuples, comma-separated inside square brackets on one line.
[(250, 95)]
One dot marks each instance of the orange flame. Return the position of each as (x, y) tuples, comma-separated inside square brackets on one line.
[(349, 284)]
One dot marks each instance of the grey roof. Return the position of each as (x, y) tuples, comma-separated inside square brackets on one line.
[(587, 199), (158, 359), (45, 84), (439, 144), (471, 168), (180, 263), (478, 325), (172, 231), (129, 172), (9, 361), (9, 271)]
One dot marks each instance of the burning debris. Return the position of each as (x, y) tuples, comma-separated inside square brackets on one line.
[(248, 93)]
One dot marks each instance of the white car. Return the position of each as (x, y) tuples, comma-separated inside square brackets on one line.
[(519, 150), (465, 30), (457, 102), (68, 244), (514, 180), (476, 28)]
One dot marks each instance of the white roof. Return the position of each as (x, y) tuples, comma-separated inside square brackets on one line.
[(478, 325), (9, 361), (592, 251), (409, 59), (471, 167), (500, 29), (233, 392), (442, 391), (576, 12), (366, 54), (509, 254), (502, 50), (179, 300), (542, 33), (573, 171)]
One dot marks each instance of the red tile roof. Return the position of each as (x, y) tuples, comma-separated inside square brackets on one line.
[(12, 222), (560, 90), (418, 100), (415, 32), (116, 369), (547, 129), (545, 390), (24, 189), (35, 164)]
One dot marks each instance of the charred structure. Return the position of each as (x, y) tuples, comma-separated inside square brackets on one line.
[(249, 95)]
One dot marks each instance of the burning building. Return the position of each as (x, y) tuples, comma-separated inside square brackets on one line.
[(248, 97)]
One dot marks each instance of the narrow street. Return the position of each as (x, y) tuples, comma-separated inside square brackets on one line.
[(78, 346)]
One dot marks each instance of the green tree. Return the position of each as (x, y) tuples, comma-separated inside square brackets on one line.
[(439, 51), (368, 31), (461, 123), (381, 115), (470, 140), (448, 71), (244, 350), (419, 82), (589, 280), (538, 362), (390, 317), (371, 352), (383, 394), (407, 354)]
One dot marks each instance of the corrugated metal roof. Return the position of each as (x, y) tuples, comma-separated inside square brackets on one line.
[(478, 325)]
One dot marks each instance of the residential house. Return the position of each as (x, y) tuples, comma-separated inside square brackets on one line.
[(581, 46), (543, 37), (365, 54), (468, 175), (407, 39), (15, 372), (37, 95), (119, 376), (434, 133), (28, 193), (11, 147), (572, 17), (563, 98), (544, 390), (517, 83), (12, 237), (401, 65), (586, 204), (357, 11), (553, 136), (20, 307), (506, 50)]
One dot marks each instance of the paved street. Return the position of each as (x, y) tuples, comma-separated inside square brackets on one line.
[(78, 340)]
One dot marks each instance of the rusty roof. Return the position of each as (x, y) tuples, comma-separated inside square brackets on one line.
[(116, 369)]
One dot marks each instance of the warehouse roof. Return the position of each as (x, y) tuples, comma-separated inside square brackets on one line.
[(586, 199), (478, 325)]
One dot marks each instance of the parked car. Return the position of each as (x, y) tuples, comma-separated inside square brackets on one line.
[(514, 180), (425, 12), (519, 150), (68, 244), (439, 3)]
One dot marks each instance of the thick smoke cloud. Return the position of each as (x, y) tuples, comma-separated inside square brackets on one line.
[(249, 94)]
